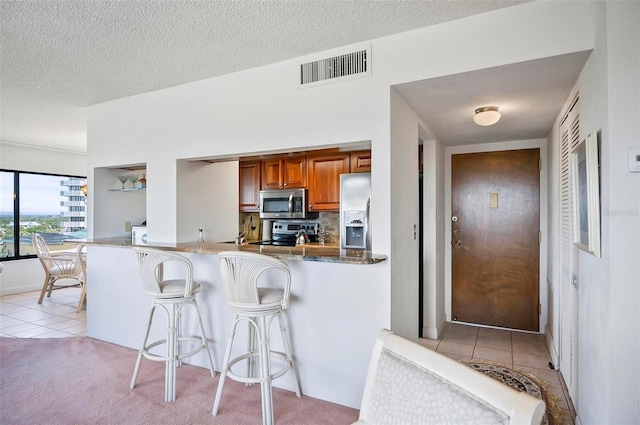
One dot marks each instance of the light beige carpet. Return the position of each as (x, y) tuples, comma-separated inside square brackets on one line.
[(85, 381)]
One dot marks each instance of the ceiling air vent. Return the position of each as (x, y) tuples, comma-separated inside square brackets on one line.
[(336, 68)]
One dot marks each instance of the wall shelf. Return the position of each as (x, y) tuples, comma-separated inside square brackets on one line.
[(127, 190)]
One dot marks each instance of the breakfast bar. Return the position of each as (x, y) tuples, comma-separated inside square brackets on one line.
[(335, 313)]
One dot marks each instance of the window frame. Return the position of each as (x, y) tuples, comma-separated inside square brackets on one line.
[(16, 209)]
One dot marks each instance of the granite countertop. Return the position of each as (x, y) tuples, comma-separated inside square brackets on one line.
[(306, 252)]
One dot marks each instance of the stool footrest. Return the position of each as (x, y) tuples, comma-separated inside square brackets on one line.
[(257, 379), (160, 358)]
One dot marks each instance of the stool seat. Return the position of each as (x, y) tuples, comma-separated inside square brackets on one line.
[(173, 288), (172, 295), (258, 306)]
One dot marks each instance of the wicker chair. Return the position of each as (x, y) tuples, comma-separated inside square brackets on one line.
[(59, 267), (258, 306), (171, 295)]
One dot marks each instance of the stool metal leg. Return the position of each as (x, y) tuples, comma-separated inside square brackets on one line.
[(172, 358), (204, 341), (225, 365), (286, 338), (265, 371), (251, 348), (144, 347)]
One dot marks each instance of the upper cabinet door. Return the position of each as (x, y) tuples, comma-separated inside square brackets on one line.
[(272, 174), (361, 162), (294, 172), (284, 173), (324, 180), (249, 172)]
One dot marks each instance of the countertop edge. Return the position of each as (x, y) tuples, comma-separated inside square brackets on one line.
[(315, 253)]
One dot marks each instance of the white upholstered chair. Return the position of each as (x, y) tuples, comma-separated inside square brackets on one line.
[(171, 295), (60, 267), (258, 306), (410, 384)]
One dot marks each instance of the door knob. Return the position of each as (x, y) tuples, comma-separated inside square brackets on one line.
[(458, 243), (454, 218)]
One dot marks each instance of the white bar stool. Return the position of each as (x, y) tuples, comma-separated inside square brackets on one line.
[(172, 295), (258, 306)]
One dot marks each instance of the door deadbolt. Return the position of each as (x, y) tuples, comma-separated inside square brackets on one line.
[(456, 230), (454, 218)]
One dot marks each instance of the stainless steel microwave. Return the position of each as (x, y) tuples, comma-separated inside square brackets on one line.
[(283, 203)]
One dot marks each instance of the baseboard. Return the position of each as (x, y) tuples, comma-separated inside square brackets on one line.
[(433, 332), (551, 346), (19, 289)]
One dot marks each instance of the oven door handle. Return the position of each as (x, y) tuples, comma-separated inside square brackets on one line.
[(291, 204)]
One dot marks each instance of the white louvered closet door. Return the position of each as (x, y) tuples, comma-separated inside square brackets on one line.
[(570, 136)]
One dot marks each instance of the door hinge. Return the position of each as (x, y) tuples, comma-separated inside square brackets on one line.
[(540, 164), (539, 237), (539, 309)]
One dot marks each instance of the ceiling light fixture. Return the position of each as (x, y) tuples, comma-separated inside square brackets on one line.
[(487, 115)]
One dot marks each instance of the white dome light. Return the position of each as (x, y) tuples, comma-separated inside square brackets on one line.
[(487, 115)]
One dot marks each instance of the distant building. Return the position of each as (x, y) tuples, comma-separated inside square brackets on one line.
[(75, 204), (26, 224)]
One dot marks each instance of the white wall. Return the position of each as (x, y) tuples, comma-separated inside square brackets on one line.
[(622, 212), (28, 275), (609, 287), (211, 191), (434, 318), (14, 156), (262, 110), (404, 225)]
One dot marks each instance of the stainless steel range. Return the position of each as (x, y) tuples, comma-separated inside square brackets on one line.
[(285, 232)]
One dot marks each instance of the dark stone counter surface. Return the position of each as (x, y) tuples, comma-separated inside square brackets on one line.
[(307, 252)]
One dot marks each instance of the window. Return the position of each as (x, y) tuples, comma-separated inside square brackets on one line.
[(52, 205)]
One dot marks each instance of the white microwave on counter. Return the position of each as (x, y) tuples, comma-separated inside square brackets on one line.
[(138, 235)]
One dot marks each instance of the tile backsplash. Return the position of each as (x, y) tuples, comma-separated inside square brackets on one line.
[(252, 225), (331, 223)]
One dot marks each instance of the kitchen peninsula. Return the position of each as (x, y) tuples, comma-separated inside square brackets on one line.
[(305, 252), (337, 307)]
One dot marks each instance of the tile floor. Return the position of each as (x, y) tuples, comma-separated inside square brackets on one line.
[(22, 317), (521, 351)]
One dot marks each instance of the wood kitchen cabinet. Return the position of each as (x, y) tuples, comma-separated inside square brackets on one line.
[(360, 162), (284, 173), (249, 172), (324, 180)]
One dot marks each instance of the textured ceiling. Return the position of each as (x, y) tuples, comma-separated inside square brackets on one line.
[(530, 96), (58, 57)]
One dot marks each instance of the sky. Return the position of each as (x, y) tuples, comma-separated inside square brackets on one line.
[(40, 195)]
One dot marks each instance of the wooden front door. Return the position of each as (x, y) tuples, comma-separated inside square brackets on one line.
[(495, 253)]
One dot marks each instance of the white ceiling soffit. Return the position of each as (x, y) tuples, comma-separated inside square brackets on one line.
[(60, 56), (529, 94)]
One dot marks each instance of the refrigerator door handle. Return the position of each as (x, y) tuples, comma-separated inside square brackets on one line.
[(366, 226)]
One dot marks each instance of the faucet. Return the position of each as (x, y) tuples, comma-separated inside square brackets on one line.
[(240, 240)]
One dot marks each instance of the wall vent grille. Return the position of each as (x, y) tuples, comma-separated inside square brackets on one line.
[(352, 64)]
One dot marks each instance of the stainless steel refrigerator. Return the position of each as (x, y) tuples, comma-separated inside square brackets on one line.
[(355, 205)]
